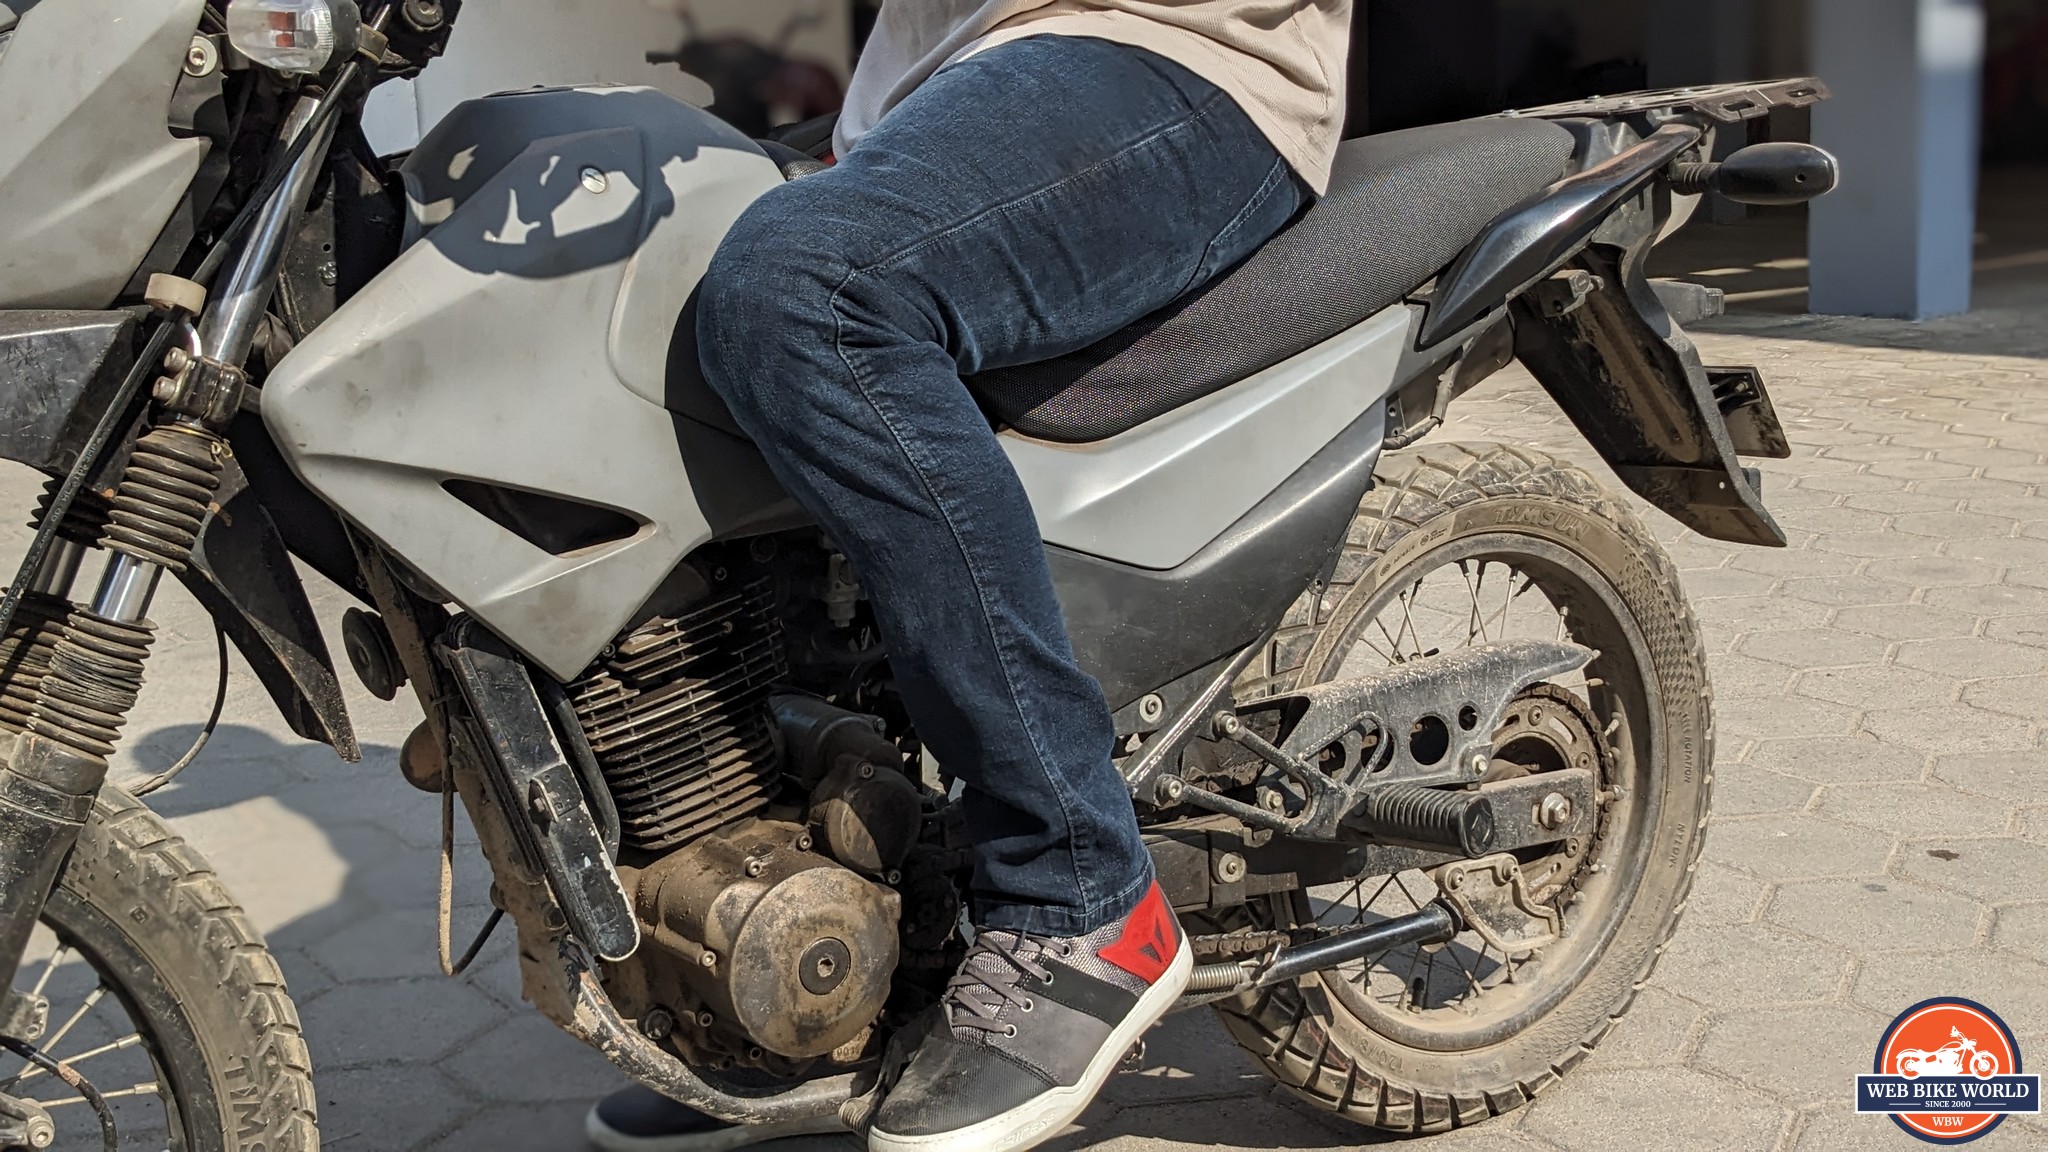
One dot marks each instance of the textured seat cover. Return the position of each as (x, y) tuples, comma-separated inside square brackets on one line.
[(1400, 208)]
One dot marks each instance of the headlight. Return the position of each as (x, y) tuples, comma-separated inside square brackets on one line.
[(293, 35)]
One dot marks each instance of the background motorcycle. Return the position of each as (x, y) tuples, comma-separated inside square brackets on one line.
[(1420, 737)]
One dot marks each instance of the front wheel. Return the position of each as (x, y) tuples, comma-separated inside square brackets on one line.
[(164, 998), (1467, 544)]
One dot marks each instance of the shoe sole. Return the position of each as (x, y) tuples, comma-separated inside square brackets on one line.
[(611, 1139), (1041, 1117)]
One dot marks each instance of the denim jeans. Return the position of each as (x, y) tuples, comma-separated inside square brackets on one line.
[(1020, 205)]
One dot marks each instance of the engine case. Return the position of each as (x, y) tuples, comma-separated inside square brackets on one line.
[(787, 946)]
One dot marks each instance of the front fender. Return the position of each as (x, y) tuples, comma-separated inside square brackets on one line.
[(241, 572)]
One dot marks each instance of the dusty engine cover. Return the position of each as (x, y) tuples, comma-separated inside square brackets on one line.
[(792, 948)]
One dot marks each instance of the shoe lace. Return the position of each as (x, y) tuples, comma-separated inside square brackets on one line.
[(977, 994)]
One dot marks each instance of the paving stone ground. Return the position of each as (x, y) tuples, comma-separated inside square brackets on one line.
[(1880, 829)]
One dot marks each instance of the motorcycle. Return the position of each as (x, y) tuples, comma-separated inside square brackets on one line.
[(1959, 1057), (1419, 735)]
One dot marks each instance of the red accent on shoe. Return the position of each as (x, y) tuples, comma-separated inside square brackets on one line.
[(1150, 939)]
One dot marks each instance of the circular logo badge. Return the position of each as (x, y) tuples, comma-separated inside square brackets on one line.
[(1947, 1071)]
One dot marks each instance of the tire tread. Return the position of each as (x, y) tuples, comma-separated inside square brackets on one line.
[(1410, 490), (161, 892)]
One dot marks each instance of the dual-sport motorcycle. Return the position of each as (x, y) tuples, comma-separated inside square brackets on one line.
[(1420, 735)]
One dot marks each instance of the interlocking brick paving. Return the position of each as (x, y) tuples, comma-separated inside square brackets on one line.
[(1881, 829)]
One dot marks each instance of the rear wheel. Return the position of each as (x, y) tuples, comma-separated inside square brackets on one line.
[(1465, 544), (164, 998)]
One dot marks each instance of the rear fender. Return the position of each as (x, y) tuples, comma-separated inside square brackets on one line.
[(1613, 358), (1632, 383)]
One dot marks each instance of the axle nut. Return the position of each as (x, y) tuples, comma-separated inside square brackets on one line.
[(1554, 811)]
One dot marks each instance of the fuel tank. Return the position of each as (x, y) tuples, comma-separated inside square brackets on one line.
[(490, 407)]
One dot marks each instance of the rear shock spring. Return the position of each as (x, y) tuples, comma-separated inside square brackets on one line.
[(164, 495)]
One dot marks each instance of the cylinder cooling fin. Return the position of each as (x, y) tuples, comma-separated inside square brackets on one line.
[(677, 715)]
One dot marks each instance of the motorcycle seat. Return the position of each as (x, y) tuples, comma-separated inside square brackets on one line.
[(1400, 207)]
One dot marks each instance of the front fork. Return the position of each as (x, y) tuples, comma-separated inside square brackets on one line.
[(69, 673)]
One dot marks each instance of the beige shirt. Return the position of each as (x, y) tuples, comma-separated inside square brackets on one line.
[(1281, 60)]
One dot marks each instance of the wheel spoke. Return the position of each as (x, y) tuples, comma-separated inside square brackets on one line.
[(1367, 641), (1376, 894), (62, 954), (1471, 980), (91, 1001), (1408, 621), (1475, 621), (1508, 602), (128, 1041), (1391, 642), (1413, 903), (1408, 984), (137, 1090), (1356, 886)]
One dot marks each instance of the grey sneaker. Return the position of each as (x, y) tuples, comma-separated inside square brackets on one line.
[(639, 1119), (1034, 1025)]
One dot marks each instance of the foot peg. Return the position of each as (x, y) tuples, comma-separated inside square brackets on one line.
[(1133, 1061)]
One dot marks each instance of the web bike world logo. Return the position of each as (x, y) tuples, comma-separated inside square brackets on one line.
[(1947, 1071)]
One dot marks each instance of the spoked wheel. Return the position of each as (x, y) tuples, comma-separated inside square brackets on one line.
[(99, 1032), (162, 999), (1460, 545)]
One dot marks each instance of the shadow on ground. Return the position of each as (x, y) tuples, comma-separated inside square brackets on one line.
[(337, 863)]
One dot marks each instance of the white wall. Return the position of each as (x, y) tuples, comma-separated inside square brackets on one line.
[(500, 45)]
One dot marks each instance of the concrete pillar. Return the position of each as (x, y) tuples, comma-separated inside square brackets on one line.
[(1895, 239), (509, 44)]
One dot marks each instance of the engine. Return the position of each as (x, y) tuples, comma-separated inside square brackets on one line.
[(794, 950), (762, 838), (677, 717)]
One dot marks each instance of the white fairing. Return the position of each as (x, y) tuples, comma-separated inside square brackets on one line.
[(524, 339), (1153, 496), (523, 342), (89, 172)]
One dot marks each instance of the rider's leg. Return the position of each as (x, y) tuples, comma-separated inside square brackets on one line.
[(1023, 203)]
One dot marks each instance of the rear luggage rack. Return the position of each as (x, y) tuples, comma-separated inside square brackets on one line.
[(1726, 103)]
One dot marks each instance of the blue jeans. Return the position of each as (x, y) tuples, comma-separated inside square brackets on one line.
[(1022, 204)]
